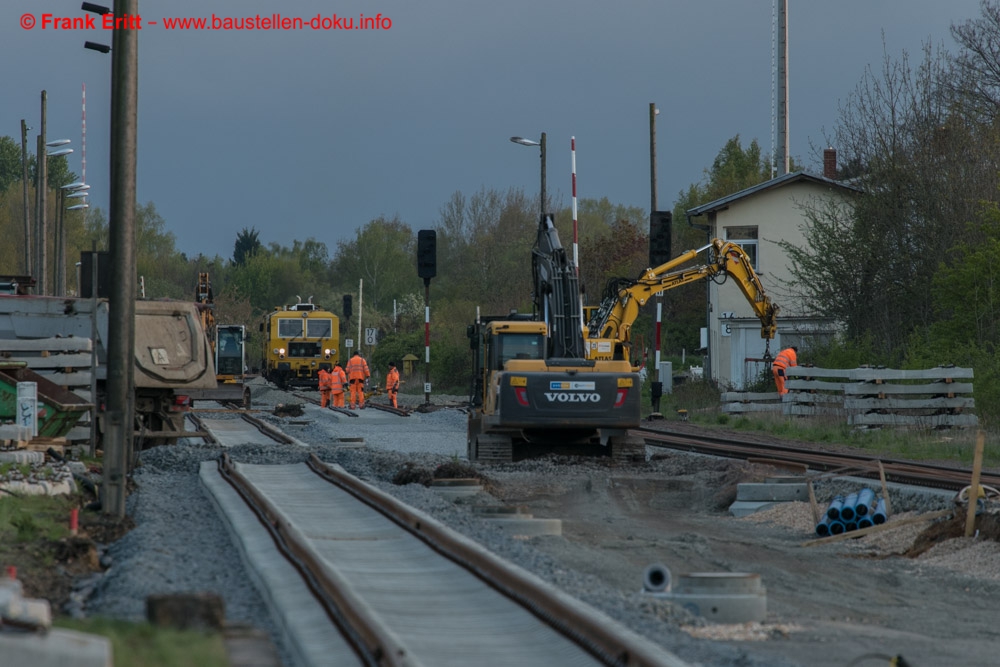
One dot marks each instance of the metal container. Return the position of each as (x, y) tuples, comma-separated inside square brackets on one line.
[(59, 409)]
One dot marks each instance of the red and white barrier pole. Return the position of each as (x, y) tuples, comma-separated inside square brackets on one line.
[(576, 252), (74, 521), (659, 317), (576, 255), (83, 137)]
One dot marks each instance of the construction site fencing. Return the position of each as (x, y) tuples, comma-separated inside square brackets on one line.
[(869, 397)]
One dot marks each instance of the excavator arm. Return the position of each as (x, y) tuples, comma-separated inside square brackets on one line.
[(622, 300), (206, 307), (557, 293)]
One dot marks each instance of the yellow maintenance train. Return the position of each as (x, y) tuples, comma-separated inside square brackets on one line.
[(299, 339)]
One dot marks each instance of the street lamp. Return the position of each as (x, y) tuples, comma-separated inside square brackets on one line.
[(42, 235), (101, 10), (69, 191), (541, 145)]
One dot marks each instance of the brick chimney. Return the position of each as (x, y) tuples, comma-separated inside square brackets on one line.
[(830, 163)]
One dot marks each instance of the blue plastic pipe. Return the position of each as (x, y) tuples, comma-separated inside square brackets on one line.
[(847, 510), (879, 517), (865, 522), (865, 498), (833, 510)]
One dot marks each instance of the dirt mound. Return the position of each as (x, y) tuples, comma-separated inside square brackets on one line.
[(988, 526), (288, 410), (413, 474)]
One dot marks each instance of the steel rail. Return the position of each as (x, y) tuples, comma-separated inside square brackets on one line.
[(566, 616), (862, 465), (388, 408), (402, 412), (316, 401), (351, 616), (202, 431), (267, 429)]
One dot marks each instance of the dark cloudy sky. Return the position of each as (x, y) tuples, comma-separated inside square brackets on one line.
[(310, 134)]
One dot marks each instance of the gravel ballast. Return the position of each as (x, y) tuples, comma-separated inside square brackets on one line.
[(180, 544)]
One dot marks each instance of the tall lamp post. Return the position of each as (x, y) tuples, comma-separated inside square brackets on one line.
[(541, 145), (28, 259), (41, 238), (69, 191)]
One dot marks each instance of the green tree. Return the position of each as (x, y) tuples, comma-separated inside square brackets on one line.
[(10, 163), (163, 270), (925, 164), (484, 249), (734, 168), (383, 255), (966, 294), (247, 244)]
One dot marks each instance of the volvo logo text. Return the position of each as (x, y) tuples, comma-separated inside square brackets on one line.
[(562, 397)]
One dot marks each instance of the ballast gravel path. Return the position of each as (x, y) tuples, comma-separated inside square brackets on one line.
[(179, 543)]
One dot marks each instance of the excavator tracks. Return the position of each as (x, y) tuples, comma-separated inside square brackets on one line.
[(492, 449)]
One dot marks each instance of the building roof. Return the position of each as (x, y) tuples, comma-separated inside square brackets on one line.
[(785, 179)]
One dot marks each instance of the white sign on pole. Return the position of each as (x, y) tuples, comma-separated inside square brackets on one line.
[(427, 387), (349, 343), (371, 336), (27, 407)]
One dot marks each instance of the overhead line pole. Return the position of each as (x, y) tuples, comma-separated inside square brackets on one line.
[(657, 389), (121, 303), (24, 198)]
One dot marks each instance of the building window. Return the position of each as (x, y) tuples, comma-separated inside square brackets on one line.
[(746, 238)]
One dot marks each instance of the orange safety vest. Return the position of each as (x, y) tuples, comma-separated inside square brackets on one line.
[(357, 368), (392, 380), (338, 379), (324, 380), (785, 359)]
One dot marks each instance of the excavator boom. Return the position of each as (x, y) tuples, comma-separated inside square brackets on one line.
[(609, 330)]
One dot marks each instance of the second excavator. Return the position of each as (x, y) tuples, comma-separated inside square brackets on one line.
[(609, 330)]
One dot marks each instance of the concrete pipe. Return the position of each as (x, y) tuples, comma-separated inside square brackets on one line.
[(656, 579)]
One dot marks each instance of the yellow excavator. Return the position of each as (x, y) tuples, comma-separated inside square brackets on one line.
[(609, 326), (533, 390)]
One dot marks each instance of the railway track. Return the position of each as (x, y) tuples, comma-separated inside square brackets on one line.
[(359, 578), (402, 412), (859, 465), (226, 431)]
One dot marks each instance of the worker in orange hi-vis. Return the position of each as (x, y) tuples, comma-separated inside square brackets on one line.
[(785, 360), (357, 376), (324, 387), (392, 383), (338, 381)]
